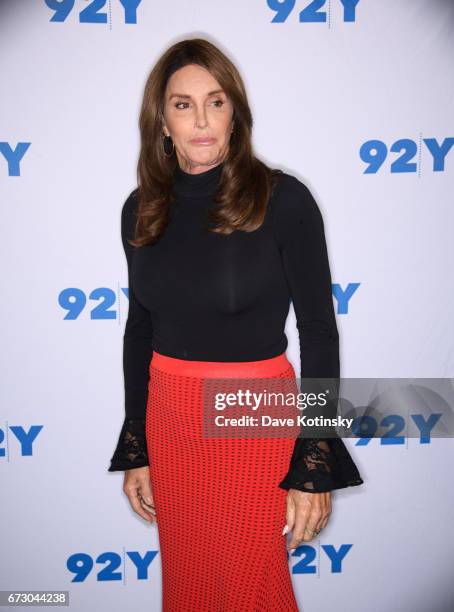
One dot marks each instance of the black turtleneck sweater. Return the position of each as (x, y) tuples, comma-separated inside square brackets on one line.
[(201, 296)]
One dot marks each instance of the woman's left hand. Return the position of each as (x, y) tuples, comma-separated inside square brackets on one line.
[(306, 513)]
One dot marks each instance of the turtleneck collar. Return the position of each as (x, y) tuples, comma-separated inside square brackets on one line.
[(197, 185)]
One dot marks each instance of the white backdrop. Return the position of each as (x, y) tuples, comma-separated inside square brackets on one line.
[(321, 88)]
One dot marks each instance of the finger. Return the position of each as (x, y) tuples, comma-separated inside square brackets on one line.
[(148, 507), (318, 516), (290, 514), (131, 488), (302, 513), (324, 509), (311, 528), (146, 496), (309, 520), (327, 512), (137, 507), (316, 523)]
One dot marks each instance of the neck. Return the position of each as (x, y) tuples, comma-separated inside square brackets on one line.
[(202, 184)]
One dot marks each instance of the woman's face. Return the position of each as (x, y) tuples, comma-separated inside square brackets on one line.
[(198, 117)]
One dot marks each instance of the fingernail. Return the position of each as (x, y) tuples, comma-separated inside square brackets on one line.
[(285, 530), (292, 550)]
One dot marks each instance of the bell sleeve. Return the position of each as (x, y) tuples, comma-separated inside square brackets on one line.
[(316, 464), (131, 448)]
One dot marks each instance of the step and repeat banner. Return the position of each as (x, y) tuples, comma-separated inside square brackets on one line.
[(356, 99)]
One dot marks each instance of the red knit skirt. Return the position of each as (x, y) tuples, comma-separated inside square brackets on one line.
[(219, 510)]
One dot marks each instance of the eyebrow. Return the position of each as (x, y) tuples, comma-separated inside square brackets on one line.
[(210, 93)]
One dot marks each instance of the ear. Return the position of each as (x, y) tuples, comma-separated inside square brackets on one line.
[(163, 126)]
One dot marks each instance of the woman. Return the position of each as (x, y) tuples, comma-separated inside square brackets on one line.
[(217, 244)]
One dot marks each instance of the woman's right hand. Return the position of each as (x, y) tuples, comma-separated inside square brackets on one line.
[(137, 487)]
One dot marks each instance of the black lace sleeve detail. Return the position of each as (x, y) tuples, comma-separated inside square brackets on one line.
[(321, 464), (131, 451)]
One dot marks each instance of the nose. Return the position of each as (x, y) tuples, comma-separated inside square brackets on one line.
[(201, 117)]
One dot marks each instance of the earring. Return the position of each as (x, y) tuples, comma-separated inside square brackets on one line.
[(166, 142)]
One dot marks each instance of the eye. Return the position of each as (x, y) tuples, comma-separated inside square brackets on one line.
[(183, 105)]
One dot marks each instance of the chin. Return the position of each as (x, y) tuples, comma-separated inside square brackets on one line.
[(209, 158)]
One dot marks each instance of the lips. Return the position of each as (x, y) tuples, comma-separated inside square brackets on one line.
[(202, 141)]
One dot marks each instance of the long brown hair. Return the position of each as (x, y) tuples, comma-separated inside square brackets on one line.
[(246, 182)]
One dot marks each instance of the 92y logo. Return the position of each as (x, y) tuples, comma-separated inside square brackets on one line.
[(92, 12), (110, 566), (23, 440), (310, 559), (405, 155), (311, 13)]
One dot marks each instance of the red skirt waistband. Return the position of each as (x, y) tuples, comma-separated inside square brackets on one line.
[(235, 369)]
